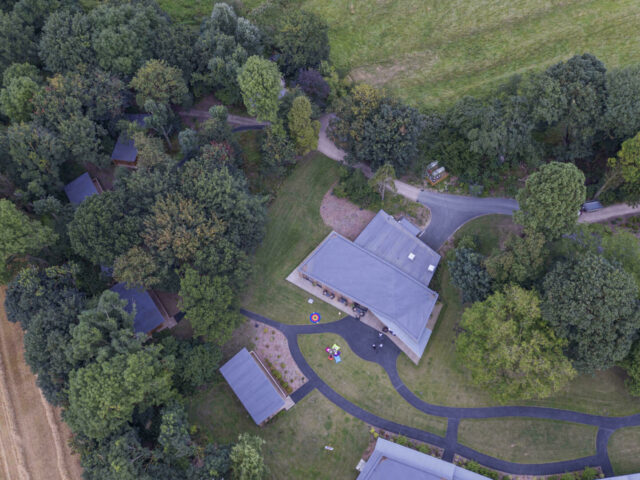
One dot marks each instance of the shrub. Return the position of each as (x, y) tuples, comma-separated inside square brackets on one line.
[(353, 185)]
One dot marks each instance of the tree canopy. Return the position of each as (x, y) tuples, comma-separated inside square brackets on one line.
[(19, 235), (593, 305), (551, 200), (469, 274), (376, 130), (509, 350), (259, 81)]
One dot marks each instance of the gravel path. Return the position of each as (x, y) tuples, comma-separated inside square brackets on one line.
[(357, 336)]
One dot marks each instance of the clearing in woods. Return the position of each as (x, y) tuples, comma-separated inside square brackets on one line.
[(33, 439), (432, 52)]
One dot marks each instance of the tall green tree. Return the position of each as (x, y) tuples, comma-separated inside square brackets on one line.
[(376, 130), (259, 81), (384, 178), (20, 82), (624, 170), (103, 395), (161, 119), (36, 155), (65, 42), (509, 350), (622, 117), (246, 458), (210, 305), (570, 99), (301, 39), (551, 200), (102, 229), (304, 131), (522, 260), (593, 305), (158, 81), (277, 150), (19, 236), (223, 46), (103, 332), (469, 274), (46, 302)]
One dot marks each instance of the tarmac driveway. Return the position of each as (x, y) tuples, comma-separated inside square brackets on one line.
[(450, 212)]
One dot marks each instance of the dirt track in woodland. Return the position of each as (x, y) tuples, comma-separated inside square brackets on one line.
[(33, 438)]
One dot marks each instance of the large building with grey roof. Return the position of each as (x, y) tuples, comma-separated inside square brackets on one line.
[(386, 270), (390, 460)]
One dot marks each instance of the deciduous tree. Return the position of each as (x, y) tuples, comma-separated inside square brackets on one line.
[(246, 458), (509, 350), (551, 199), (19, 235), (158, 81), (522, 260), (259, 81), (304, 131), (384, 178), (593, 305), (469, 274), (210, 305), (103, 395)]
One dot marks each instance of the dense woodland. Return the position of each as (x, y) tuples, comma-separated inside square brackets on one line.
[(185, 221), (553, 300)]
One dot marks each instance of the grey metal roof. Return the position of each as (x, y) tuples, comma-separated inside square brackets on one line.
[(390, 460), (392, 241), (373, 282), (147, 316), (125, 149), (251, 385), (592, 206), (81, 188), (409, 227)]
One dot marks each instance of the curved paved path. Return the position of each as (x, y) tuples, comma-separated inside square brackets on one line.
[(450, 212), (360, 337)]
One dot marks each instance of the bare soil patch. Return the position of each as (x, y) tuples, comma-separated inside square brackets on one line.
[(33, 438), (269, 344), (343, 216)]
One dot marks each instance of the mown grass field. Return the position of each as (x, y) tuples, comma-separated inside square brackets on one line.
[(295, 439), (364, 383), (623, 450), (431, 52), (528, 440), (441, 380), (294, 229)]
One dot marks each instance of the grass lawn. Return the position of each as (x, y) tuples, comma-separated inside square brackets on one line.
[(294, 229), (191, 12), (623, 450), (366, 384), (295, 438), (528, 440), (439, 379), (432, 52)]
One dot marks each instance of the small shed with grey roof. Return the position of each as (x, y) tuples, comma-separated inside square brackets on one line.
[(149, 314), (125, 152), (253, 385), (390, 460), (82, 187)]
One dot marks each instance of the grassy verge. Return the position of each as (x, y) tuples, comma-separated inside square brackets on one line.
[(623, 451), (528, 440), (295, 438), (364, 383), (439, 379), (190, 12), (432, 53), (294, 229)]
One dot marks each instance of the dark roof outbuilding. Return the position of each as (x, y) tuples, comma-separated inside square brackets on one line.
[(81, 188), (148, 316)]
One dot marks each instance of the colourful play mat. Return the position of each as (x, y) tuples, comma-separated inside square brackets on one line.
[(314, 317)]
